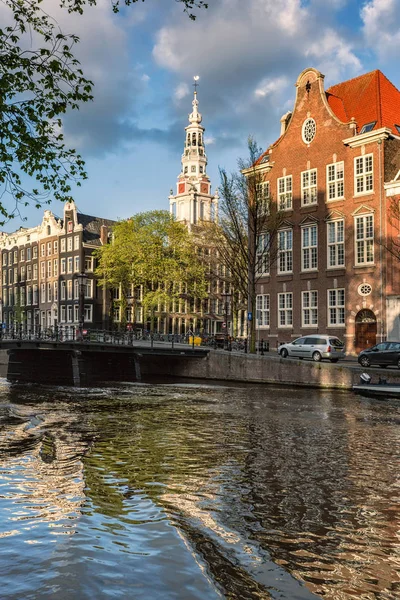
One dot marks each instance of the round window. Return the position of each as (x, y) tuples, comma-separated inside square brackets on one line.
[(364, 289), (309, 129)]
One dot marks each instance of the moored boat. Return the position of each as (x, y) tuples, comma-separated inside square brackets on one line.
[(382, 389)]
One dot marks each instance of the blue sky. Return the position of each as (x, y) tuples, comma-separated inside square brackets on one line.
[(248, 54)]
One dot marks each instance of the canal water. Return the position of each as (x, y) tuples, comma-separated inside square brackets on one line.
[(187, 491)]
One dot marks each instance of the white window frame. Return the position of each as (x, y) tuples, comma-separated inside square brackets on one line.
[(70, 264), (48, 248), (62, 249), (55, 267), (88, 312), (263, 311), (89, 288), (69, 313), (76, 289), (285, 309), (63, 290), (88, 264), (42, 293), (364, 239), (69, 243), (49, 292), (63, 264), (335, 254), (69, 289), (309, 190), (363, 175), (285, 250), (263, 197), (285, 192), (309, 308), (335, 181), (76, 264), (63, 313), (309, 248), (336, 307), (76, 313), (76, 242), (55, 291), (262, 254)]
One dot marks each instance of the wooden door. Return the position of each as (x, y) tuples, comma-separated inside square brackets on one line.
[(365, 335)]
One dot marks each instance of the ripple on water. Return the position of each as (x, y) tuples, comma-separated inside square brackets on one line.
[(197, 492)]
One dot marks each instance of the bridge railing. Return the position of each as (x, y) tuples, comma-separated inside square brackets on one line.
[(66, 333)]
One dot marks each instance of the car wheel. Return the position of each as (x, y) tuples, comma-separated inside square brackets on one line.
[(334, 360), (317, 357), (284, 353), (364, 361)]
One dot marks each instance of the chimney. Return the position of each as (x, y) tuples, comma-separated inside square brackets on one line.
[(104, 235)]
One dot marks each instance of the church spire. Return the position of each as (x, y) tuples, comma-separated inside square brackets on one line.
[(193, 202)]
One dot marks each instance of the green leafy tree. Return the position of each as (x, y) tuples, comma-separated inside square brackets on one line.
[(155, 253), (40, 80)]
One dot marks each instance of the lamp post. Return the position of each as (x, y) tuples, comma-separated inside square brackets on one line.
[(226, 296), (82, 278)]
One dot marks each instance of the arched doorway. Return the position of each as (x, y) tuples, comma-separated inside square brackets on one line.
[(366, 329)]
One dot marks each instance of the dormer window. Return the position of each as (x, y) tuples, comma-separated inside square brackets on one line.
[(368, 127)]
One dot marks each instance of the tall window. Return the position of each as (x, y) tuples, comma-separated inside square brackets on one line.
[(49, 268), (262, 191), (89, 288), (76, 264), (88, 308), (69, 244), (76, 242), (35, 267), (363, 169), (63, 290), (336, 307), (285, 250), (43, 292), (63, 314), (364, 226), (262, 306), (335, 179), (70, 264), (49, 292), (285, 192), (309, 308), (285, 309), (309, 187), (42, 270), (76, 289), (63, 265), (48, 248), (309, 255), (69, 312), (69, 289), (62, 244), (55, 291), (55, 267), (335, 243), (262, 256)]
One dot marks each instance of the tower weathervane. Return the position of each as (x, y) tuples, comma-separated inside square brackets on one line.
[(195, 85)]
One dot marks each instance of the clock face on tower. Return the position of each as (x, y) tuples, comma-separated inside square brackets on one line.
[(204, 188), (181, 188)]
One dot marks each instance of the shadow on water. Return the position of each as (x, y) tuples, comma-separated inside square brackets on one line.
[(187, 491)]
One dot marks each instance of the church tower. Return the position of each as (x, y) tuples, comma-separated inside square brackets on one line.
[(193, 201)]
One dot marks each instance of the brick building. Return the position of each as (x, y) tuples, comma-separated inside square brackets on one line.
[(40, 273), (334, 172)]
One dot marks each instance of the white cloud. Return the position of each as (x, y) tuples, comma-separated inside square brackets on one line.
[(181, 91), (268, 86), (381, 19), (209, 140)]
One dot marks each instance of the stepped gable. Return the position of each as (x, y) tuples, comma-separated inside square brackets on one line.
[(368, 98)]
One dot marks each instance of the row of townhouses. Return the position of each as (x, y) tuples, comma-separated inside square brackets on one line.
[(334, 173)]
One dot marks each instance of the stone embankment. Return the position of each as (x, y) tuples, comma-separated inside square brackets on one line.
[(270, 368)]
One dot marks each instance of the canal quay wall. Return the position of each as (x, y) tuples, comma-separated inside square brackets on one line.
[(228, 366)]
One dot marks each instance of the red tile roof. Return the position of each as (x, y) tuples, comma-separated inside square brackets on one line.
[(367, 98)]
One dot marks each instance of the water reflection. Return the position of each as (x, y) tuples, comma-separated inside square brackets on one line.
[(198, 492)]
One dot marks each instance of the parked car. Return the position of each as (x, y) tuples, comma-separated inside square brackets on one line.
[(384, 354), (314, 346)]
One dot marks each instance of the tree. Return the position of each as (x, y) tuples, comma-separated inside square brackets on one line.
[(155, 253), (247, 229), (40, 80)]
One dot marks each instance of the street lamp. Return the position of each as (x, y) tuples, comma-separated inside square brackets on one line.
[(226, 296), (82, 279)]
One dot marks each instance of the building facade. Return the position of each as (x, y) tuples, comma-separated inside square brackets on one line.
[(48, 274), (333, 172)]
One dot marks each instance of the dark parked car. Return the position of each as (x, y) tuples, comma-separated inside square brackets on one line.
[(384, 354)]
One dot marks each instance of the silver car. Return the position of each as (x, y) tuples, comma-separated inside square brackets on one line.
[(314, 346)]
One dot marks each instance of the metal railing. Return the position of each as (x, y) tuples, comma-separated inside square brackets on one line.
[(71, 333)]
